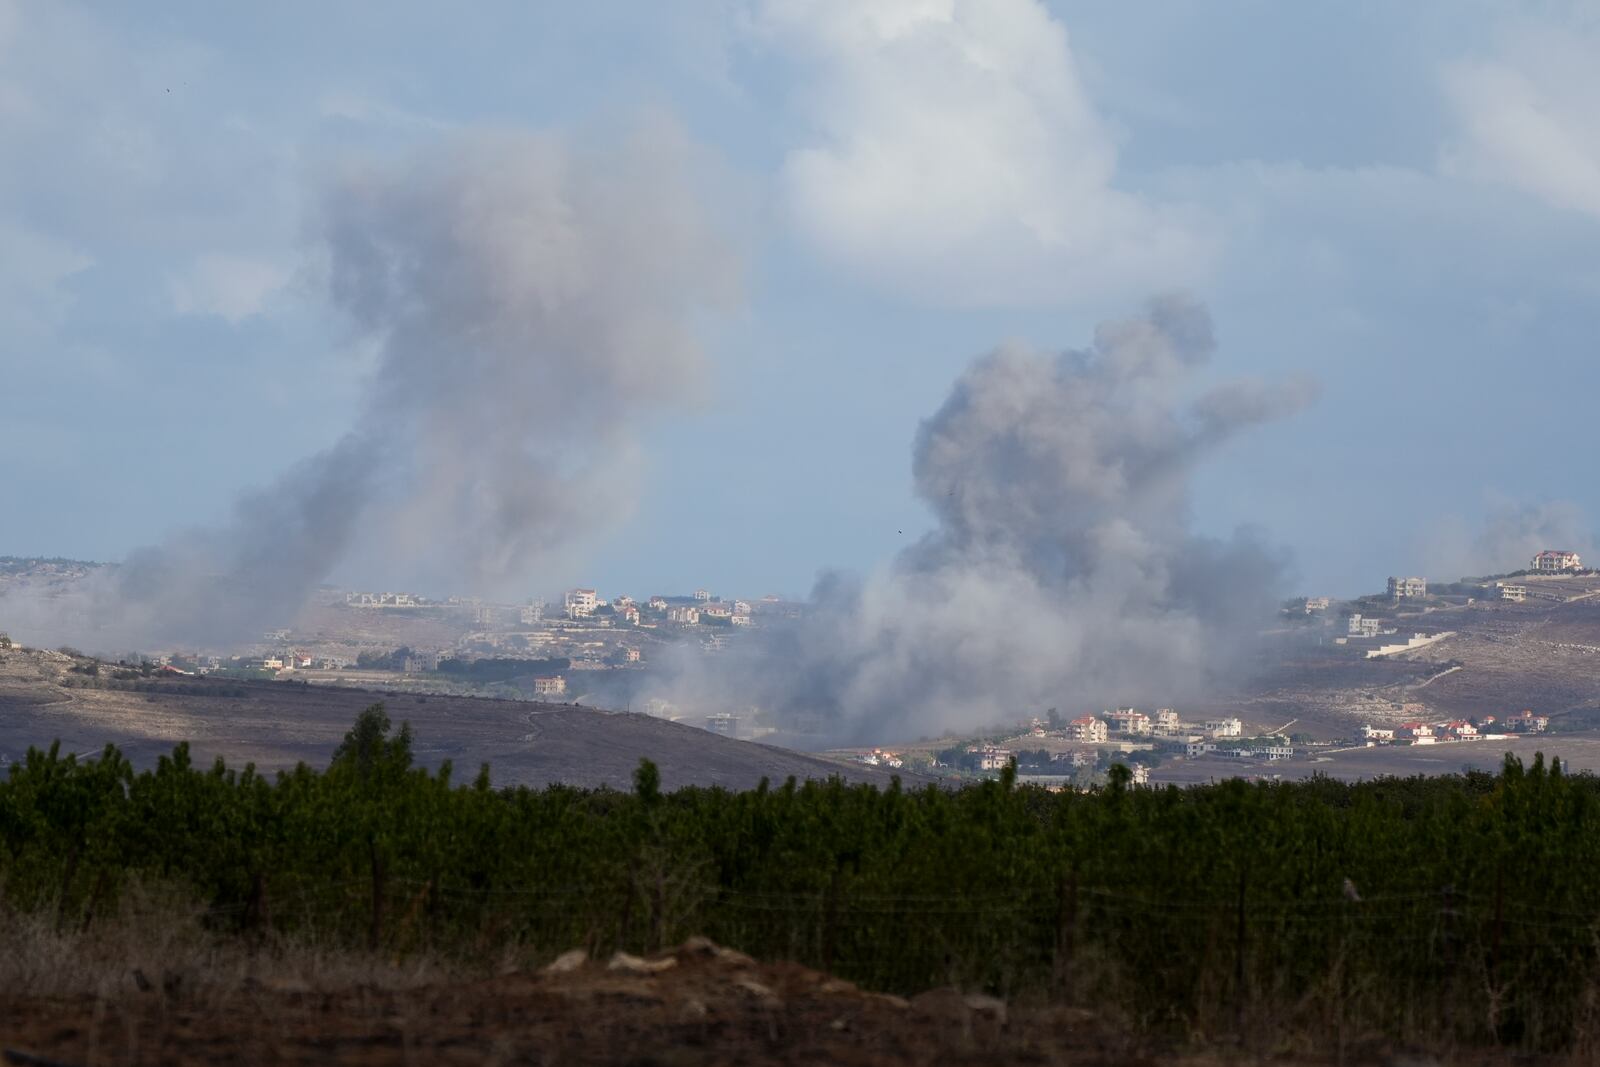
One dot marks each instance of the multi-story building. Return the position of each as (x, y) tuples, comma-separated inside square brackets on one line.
[(1407, 588), (1166, 723), (702, 594), (1224, 728), (1363, 627), (1088, 728), (1419, 733), (1129, 721), (1527, 722), (991, 758), (549, 686), (724, 723), (1555, 560), (581, 602), (1514, 593)]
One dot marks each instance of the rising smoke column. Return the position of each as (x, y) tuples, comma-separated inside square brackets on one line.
[(531, 300), (1062, 571)]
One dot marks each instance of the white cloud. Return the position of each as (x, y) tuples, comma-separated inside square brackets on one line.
[(1527, 116), (958, 157), (230, 286)]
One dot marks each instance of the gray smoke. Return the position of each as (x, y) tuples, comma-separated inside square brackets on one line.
[(1062, 571), (1506, 538), (531, 300)]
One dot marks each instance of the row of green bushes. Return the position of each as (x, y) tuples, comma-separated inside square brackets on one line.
[(1461, 906)]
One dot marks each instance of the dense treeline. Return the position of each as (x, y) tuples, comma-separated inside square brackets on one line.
[(502, 670), (1465, 907)]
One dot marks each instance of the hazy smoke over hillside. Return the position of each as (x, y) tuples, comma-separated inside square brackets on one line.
[(530, 300), (1509, 535), (1062, 571)]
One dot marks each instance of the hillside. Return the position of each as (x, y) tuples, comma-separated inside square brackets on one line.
[(1542, 654), (277, 724)]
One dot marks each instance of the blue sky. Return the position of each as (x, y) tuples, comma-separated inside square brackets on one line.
[(1399, 201)]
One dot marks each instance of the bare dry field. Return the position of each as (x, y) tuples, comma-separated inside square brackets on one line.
[(276, 725), (698, 1005)]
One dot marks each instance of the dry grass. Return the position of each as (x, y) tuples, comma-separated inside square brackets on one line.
[(158, 937)]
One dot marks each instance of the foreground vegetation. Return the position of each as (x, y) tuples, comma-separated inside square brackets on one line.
[(1460, 909)]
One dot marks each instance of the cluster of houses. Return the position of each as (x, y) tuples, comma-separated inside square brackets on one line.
[(993, 758), (1132, 723), (1131, 730), (1430, 733), (699, 609)]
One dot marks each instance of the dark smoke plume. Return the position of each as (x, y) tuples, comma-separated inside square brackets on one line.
[(530, 300), (1062, 571)]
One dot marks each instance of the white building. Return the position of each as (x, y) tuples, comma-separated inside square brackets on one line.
[(581, 602), (1407, 588), (1224, 728), (1554, 561), (702, 594), (1514, 593), (1129, 721), (683, 614), (723, 723), (991, 758), (1166, 723), (549, 686), (1361, 627), (1374, 734), (1088, 728)]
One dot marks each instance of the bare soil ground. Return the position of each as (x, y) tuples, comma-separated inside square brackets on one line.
[(700, 1005), (278, 724)]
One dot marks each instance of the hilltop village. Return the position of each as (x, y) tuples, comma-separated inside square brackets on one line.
[(1368, 669), (1401, 669)]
